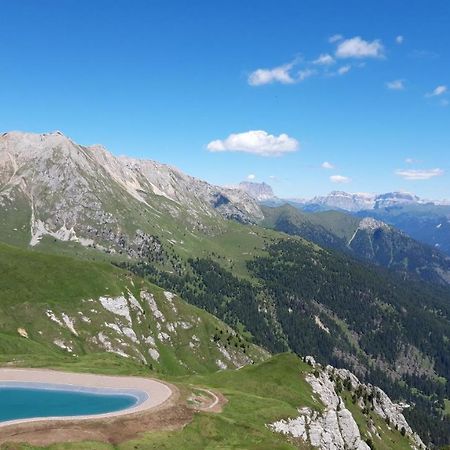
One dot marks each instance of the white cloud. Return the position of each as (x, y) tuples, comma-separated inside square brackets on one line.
[(412, 174), (324, 59), (280, 74), (359, 48), (340, 179), (327, 165), (251, 176), (335, 38), (257, 142), (396, 85), (411, 161), (439, 90), (399, 39), (344, 69), (304, 74)]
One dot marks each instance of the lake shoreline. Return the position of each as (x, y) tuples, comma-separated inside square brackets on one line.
[(155, 392)]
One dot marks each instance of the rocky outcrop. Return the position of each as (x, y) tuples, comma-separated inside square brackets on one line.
[(334, 427)]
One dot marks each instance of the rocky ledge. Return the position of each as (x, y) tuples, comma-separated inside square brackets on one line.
[(333, 427)]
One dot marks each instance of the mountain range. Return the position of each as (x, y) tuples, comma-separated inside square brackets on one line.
[(138, 261), (426, 221)]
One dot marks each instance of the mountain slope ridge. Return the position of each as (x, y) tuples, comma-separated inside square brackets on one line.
[(86, 194)]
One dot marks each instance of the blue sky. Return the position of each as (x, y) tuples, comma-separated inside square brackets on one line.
[(172, 80)]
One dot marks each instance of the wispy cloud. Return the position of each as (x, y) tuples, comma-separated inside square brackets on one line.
[(395, 85), (327, 165), (335, 38), (399, 39), (437, 91), (299, 70), (325, 59), (257, 142), (251, 176), (280, 74), (304, 74), (344, 69), (357, 47), (411, 161), (340, 179), (415, 175)]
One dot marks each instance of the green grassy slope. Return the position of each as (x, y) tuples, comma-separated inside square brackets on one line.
[(54, 301)]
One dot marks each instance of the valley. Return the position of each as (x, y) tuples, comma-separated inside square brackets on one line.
[(132, 267)]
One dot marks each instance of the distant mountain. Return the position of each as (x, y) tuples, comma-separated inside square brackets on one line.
[(361, 201), (423, 220), (343, 200), (259, 191), (366, 238)]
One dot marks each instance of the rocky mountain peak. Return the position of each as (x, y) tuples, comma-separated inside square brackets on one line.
[(259, 191), (81, 192)]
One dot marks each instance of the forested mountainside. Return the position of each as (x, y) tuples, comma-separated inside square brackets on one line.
[(389, 332), (365, 238)]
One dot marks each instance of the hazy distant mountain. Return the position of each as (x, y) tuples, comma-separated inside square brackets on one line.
[(362, 201), (261, 192), (344, 200)]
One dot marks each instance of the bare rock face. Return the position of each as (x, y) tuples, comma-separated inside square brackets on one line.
[(259, 191), (334, 428), (88, 195)]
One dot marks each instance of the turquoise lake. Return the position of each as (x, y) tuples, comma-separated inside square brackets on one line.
[(32, 402)]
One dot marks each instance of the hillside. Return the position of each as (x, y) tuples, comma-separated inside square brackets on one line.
[(364, 238), (424, 220), (426, 223), (54, 307)]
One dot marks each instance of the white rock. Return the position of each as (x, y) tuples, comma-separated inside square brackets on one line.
[(153, 306), (117, 305)]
